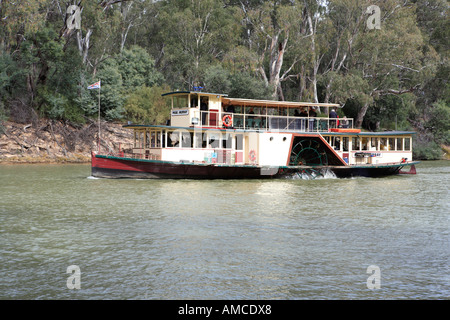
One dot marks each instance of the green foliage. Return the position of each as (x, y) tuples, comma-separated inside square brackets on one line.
[(217, 80), (427, 151), (439, 122), (298, 50), (137, 69), (111, 98), (243, 85), (349, 86), (12, 78), (147, 106), (3, 116)]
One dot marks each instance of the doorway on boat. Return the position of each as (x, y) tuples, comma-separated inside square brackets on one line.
[(204, 108)]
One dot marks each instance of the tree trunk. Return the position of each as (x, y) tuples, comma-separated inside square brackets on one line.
[(83, 44), (276, 62), (312, 31), (361, 115)]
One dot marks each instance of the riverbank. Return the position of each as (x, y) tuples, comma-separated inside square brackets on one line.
[(51, 141)]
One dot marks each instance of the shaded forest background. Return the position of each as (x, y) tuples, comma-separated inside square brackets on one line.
[(391, 77)]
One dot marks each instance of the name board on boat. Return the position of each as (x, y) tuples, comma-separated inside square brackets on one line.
[(367, 154), (180, 112)]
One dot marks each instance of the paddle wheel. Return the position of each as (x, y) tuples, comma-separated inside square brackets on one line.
[(309, 152)]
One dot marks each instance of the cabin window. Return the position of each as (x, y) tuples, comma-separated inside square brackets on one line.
[(355, 143), (147, 139), (180, 102), (173, 139), (345, 141), (364, 144), (139, 139), (239, 142), (383, 144), (399, 144), (227, 141), (407, 144), (336, 143), (374, 143), (214, 140), (186, 140), (391, 144), (194, 101), (153, 139)]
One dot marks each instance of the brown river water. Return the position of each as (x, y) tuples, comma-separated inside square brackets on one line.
[(250, 239)]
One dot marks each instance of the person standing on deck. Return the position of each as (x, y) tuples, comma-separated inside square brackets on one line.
[(333, 115)]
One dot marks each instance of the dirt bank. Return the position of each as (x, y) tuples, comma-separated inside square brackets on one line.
[(50, 141)]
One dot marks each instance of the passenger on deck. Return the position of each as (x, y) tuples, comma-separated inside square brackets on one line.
[(344, 122), (333, 115)]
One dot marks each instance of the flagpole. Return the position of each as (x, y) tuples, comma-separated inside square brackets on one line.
[(99, 88)]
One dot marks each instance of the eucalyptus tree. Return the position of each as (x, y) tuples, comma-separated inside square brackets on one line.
[(194, 34), (272, 30)]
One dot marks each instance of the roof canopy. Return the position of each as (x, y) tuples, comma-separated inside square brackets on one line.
[(272, 103), (253, 102), (193, 92)]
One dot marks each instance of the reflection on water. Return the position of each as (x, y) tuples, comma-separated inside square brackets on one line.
[(187, 239)]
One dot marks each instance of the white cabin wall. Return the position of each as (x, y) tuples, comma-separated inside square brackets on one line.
[(186, 154), (274, 149), (251, 146)]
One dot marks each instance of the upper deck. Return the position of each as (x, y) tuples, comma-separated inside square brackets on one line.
[(211, 110)]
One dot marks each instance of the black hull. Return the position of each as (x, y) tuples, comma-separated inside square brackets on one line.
[(366, 172), (247, 173), (115, 167)]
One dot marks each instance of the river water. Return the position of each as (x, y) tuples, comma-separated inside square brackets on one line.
[(251, 239)]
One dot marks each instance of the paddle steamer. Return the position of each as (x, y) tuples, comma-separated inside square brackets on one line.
[(213, 136)]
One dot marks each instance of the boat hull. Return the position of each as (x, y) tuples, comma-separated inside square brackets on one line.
[(117, 167), (113, 167)]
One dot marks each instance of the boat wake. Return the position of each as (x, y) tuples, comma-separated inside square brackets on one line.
[(312, 174)]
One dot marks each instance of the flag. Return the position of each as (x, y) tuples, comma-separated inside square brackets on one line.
[(94, 86)]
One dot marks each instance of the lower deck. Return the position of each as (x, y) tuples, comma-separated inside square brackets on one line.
[(267, 148)]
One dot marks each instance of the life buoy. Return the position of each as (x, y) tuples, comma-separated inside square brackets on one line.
[(252, 155), (227, 121)]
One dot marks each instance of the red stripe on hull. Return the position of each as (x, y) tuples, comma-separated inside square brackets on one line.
[(123, 168)]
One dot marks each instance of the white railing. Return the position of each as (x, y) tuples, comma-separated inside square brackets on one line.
[(274, 122)]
